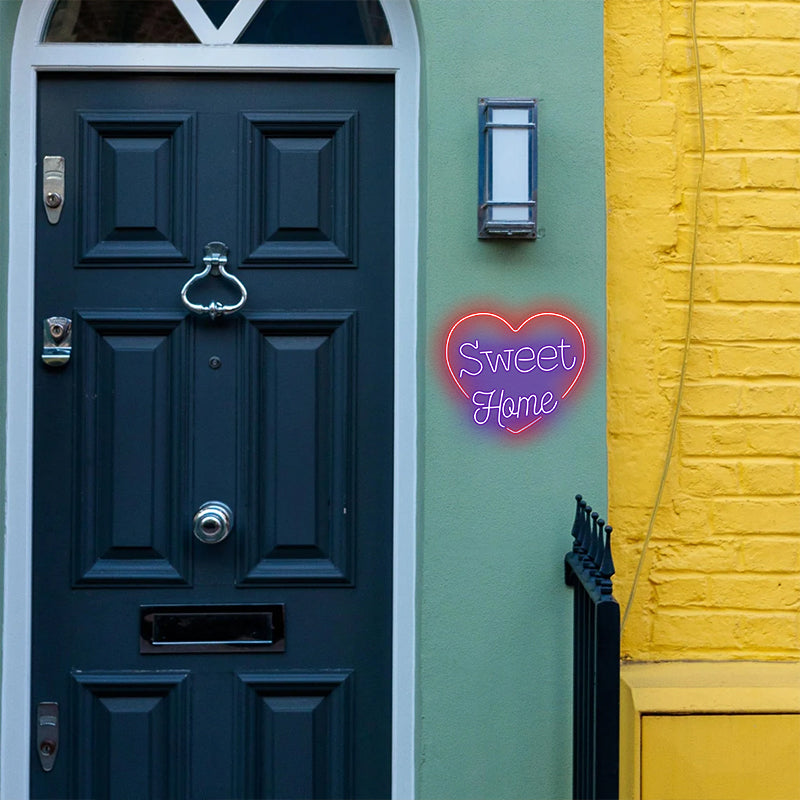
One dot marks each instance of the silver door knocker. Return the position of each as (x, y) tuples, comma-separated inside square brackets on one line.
[(215, 259)]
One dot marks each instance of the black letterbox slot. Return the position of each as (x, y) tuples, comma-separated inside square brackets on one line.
[(212, 629)]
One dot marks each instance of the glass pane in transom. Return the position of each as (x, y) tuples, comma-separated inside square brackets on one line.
[(117, 21), (319, 22), (217, 10)]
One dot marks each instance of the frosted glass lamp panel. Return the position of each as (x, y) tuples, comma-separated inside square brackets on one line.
[(510, 165)]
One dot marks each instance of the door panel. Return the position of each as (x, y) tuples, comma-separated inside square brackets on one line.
[(299, 190), (282, 411), (130, 725), (301, 455), (135, 204), (302, 724), (131, 413)]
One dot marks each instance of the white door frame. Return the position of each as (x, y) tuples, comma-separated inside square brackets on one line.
[(28, 59)]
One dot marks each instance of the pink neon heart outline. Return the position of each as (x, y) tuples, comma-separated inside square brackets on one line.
[(514, 330)]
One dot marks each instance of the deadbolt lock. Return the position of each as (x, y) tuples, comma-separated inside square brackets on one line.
[(57, 341), (47, 729), (53, 187)]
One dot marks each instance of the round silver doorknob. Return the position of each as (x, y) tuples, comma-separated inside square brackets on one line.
[(213, 522)]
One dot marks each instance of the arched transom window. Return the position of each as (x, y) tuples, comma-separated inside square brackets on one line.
[(292, 22)]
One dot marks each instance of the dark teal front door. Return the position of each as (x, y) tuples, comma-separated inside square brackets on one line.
[(259, 665)]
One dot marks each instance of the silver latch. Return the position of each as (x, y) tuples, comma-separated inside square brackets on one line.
[(57, 341), (53, 187), (47, 734)]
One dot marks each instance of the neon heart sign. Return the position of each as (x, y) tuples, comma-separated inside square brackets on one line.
[(515, 377)]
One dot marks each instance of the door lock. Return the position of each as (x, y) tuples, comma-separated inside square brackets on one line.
[(57, 341), (47, 734), (53, 187)]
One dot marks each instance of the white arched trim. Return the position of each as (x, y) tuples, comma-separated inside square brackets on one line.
[(28, 59)]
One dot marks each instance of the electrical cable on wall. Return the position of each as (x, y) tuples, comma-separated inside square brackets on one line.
[(690, 314)]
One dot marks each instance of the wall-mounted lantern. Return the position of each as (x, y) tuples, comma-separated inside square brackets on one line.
[(507, 168)]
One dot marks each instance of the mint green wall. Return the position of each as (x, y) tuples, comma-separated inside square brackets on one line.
[(494, 615)]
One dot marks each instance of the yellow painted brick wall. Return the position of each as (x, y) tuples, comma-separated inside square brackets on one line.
[(721, 577)]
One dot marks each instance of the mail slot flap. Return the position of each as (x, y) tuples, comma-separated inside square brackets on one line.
[(212, 629)]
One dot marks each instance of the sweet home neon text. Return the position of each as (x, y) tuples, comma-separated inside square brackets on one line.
[(513, 377), (495, 404)]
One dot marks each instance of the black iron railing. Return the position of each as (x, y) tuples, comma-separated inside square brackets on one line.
[(595, 714)]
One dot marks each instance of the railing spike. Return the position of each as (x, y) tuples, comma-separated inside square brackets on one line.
[(598, 554), (595, 550), (607, 565), (577, 523), (585, 532)]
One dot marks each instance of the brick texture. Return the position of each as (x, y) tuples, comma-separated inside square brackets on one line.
[(721, 576)]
